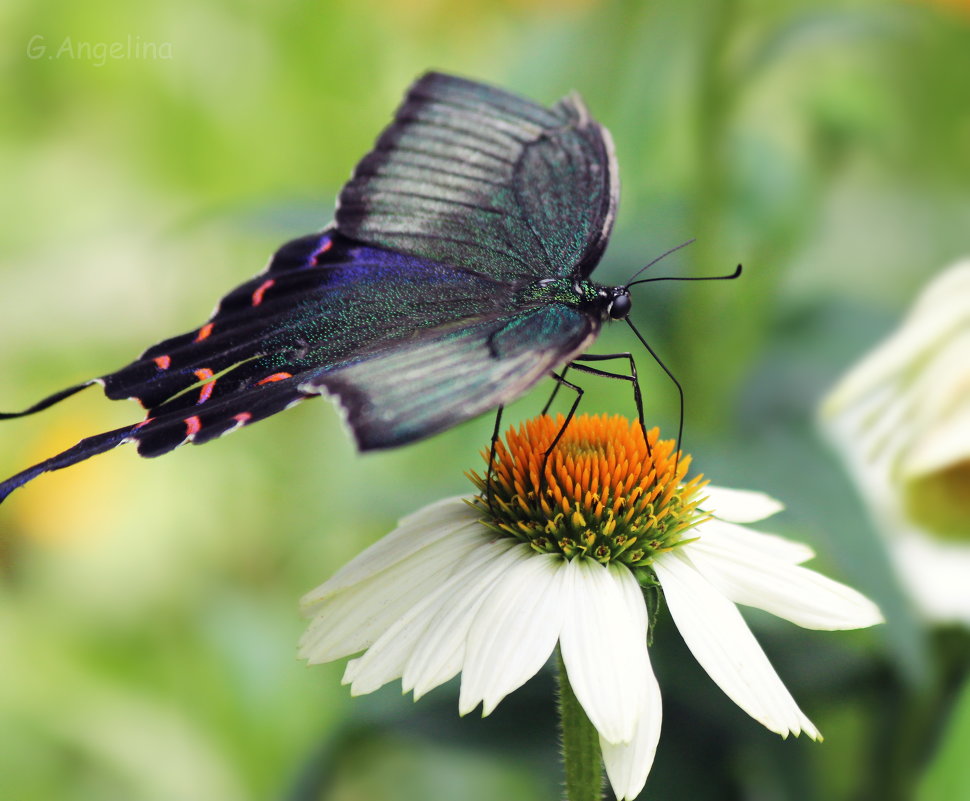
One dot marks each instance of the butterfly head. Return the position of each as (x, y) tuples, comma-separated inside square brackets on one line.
[(617, 301)]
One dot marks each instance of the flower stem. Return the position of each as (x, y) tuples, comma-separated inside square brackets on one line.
[(582, 762)]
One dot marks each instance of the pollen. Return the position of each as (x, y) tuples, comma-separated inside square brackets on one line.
[(601, 493)]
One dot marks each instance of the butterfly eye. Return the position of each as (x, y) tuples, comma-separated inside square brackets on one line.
[(620, 307)]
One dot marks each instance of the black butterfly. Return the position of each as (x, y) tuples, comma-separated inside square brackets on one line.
[(455, 276)]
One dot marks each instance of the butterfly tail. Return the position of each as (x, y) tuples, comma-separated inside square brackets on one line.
[(176, 424), (85, 449), (50, 400)]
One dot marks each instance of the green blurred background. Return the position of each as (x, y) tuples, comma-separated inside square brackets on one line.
[(148, 609)]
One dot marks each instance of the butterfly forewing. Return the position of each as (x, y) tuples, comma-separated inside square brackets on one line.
[(483, 179)]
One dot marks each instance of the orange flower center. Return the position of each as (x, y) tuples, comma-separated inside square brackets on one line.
[(602, 493)]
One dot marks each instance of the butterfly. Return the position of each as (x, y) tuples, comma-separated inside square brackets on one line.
[(456, 275)]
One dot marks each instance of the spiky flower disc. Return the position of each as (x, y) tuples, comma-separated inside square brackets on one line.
[(602, 493)]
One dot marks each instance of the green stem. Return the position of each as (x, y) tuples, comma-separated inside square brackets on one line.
[(582, 762)]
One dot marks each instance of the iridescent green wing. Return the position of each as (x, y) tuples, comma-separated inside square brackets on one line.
[(449, 374)]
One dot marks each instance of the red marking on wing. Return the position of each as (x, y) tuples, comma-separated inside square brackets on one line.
[(204, 374), (323, 249), (204, 332), (242, 418), (275, 377), (163, 362), (192, 425), (261, 290), (144, 422)]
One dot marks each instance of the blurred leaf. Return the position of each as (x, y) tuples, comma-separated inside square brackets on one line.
[(947, 777)]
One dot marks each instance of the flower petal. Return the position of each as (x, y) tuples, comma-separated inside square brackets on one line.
[(939, 313), (740, 506), (440, 651), (628, 764), (723, 644), (795, 593), (386, 659), (604, 645), (947, 442), (349, 620), (935, 573), (748, 542), (414, 533), (514, 631)]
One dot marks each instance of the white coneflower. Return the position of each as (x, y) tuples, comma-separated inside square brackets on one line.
[(901, 419), (487, 586)]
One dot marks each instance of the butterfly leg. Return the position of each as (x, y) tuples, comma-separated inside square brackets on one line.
[(670, 375), (491, 459), (590, 357), (560, 381), (555, 390), (632, 378), (575, 365)]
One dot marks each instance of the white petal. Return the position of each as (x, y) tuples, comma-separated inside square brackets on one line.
[(386, 659), (945, 443), (740, 506), (935, 573), (351, 619), (940, 312), (439, 653), (723, 644), (413, 533), (795, 593), (628, 764), (604, 645), (514, 631), (748, 541), (946, 295)]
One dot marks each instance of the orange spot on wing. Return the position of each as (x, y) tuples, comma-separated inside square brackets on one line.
[(242, 418), (163, 362), (261, 290), (323, 249), (204, 332), (204, 374), (192, 425), (275, 377), (144, 422)]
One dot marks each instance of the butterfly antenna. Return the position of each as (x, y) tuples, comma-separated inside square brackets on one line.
[(661, 256), (735, 274), (670, 375)]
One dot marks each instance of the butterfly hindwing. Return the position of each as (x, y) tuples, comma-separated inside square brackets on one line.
[(351, 301), (452, 374), (164, 432), (329, 308), (235, 331)]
